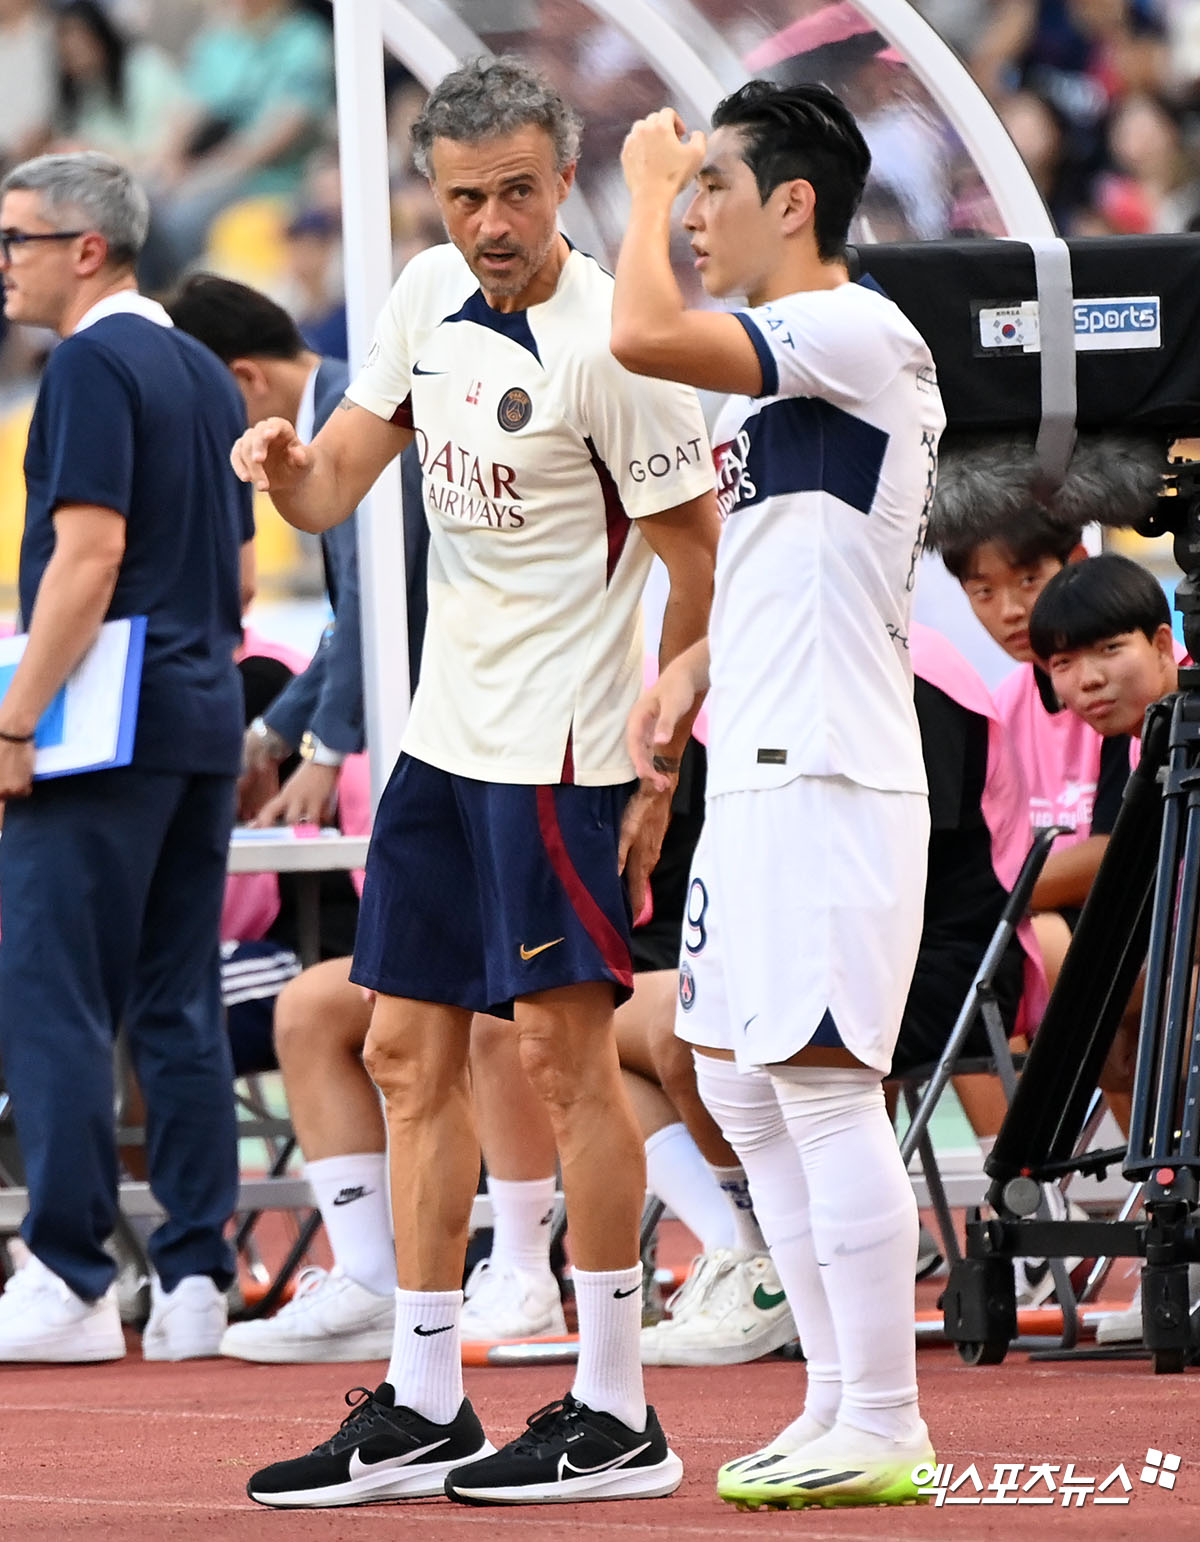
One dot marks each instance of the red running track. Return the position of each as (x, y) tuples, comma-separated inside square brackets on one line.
[(149, 1451)]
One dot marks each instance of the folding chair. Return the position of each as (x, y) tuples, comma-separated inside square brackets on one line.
[(922, 1086)]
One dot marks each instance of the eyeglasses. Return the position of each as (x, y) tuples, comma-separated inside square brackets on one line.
[(11, 238)]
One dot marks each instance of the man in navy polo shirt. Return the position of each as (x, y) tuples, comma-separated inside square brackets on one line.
[(111, 881)]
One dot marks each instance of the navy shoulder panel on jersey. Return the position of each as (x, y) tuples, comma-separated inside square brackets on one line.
[(801, 445), (511, 324)]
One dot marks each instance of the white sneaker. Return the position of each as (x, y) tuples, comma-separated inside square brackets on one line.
[(730, 1309), (1126, 1327), (329, 1318), (1031, 1276), (510, 1304), (185, 1323), (42, 1319)]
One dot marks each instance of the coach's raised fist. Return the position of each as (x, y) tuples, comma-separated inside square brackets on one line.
[(271, 456)]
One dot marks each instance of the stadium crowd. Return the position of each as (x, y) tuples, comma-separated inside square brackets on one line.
[(224, 117)]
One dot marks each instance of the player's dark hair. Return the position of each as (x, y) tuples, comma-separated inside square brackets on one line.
[(807, 132), (1096, 599), (232, 319), (1025, 538)]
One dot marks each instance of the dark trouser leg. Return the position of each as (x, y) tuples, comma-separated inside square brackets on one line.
[(75, 866), (179, 1044)]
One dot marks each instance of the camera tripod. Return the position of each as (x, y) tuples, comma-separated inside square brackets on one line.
[(1144, 905)]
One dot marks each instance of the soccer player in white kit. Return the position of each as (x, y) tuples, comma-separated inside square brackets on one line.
[(805, 908), (493, 882)]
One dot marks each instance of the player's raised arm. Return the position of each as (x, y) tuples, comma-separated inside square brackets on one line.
[(653, 332), (320, 484)]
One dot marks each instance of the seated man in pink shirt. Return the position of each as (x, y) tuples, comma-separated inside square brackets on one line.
[(1102, 631), (1103, 634)]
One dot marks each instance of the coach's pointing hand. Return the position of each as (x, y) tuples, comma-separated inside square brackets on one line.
[(271, 456), (660, 156)]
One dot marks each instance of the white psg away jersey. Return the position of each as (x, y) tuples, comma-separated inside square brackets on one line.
[(824, 484), (538, 451)]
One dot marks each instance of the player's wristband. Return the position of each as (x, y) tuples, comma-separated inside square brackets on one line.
[(666, 765), (16, 738)]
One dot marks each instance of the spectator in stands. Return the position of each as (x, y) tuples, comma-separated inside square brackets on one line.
[(261, 83), (113, 95), (314, 277), (112, 881), (1154, 186), (26, 78)]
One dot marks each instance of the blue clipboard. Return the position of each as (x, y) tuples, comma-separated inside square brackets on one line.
[(91, 723)]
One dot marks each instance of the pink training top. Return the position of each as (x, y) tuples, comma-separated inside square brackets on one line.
[(1058, 752), (252, 899), (1005, 803)]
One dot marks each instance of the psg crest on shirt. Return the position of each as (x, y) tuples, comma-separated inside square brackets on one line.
[(514, 409), (687, 986)]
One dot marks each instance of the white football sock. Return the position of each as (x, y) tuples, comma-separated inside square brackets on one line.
[(680, 1176), (425, 1370), (352, 1195), (746, 1109), (864, 1227), (522, 1223), (608, 1376), (733, 1183)]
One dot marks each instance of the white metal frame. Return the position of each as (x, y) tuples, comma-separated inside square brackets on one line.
[(429, 38)]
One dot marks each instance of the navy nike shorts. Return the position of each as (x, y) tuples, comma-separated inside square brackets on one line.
[(478, 893)]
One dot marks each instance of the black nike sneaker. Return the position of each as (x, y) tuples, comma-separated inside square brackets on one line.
[(380, 1452), (570, 1452)]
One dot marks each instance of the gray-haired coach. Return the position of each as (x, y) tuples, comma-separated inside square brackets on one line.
[(111, 881)]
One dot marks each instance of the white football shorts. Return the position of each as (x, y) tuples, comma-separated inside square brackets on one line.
[(805, 903)]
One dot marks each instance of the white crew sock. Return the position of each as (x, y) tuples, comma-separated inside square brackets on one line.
[(352, 1195), (425, 1370), (748, 1113), (608, 1376), (680, 1176), (522, 1222), (733, 1183), (864, 1227)]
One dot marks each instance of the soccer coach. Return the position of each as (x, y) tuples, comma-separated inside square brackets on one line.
[(111, 880)]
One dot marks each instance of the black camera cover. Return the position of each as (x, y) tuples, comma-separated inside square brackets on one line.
[(1137, 327)]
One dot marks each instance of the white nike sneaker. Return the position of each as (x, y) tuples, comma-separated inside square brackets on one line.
[(42, 1319), (510, 1304), (730, 1309), (845, 1466), (1031, 1276), (329, 1318), (1126, 1327), (185, 1323)]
